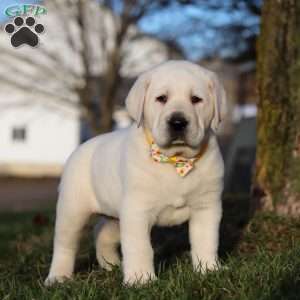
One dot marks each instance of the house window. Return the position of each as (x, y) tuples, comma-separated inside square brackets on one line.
[(19, 134)]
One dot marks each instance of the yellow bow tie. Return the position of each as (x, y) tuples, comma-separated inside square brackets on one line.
[(182, 165)]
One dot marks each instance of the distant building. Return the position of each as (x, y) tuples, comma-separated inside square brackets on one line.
[(35, 138)]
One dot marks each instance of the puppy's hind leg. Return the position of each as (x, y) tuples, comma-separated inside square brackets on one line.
[(107, 238)]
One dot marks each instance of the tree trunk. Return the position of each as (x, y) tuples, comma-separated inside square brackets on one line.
[(86, 95), (112, 77), (88, 91), (111, 80), (277, 179)]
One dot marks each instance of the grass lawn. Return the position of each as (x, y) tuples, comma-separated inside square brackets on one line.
[(261, 255)]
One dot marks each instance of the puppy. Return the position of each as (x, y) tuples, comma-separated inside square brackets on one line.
[(164, 170)]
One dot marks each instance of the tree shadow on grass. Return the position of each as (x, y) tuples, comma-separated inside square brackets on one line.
[(237, 213), (171, 243)]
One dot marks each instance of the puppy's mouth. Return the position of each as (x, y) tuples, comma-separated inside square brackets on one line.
[(178, 139), (178, 147), (178, 142), (175, 142)]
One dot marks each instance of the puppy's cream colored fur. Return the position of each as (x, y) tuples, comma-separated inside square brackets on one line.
[(113, 175)]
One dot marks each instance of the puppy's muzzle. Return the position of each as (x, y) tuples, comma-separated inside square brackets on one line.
[(177, 125)]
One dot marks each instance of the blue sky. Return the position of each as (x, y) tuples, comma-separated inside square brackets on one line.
[(176, 22), (5, 3), (194, 27)]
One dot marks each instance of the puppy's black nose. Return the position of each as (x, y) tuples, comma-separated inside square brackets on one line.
[(177, 122)]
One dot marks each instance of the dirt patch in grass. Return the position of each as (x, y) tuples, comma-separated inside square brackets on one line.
[(27, 194)]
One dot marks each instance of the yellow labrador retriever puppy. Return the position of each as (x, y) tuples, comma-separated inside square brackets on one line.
[(164, 170)]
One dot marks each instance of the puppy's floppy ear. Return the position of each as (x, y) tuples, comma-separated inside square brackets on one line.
[(219, 102), (135, 100)]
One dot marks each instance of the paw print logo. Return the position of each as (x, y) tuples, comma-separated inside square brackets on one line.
[(22, 34)]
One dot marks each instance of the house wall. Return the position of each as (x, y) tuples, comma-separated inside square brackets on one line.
[(51, 136)]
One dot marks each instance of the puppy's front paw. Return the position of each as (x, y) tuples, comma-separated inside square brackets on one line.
[(51, 280), (138, 278), (206, 265)]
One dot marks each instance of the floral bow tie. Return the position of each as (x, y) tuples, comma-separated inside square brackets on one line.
[(182, 165)]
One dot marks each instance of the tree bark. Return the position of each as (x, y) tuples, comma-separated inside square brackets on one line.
[(86, 94), (112, 77), (277, 178), (88, 91), (111, 80)]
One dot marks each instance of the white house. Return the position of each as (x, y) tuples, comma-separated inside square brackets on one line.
[(36, 139), (39, 118)]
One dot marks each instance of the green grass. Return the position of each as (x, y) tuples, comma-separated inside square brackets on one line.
[(261, 255)]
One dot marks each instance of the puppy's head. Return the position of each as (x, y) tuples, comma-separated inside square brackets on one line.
[(178, 101)]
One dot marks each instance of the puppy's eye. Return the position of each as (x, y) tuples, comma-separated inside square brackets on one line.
[(162, 99), (196, 99)]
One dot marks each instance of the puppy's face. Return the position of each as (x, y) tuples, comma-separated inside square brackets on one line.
[(178, 111), (178, 106)]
